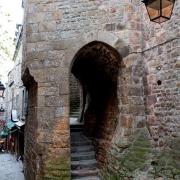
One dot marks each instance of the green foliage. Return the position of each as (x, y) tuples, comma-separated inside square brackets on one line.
[(6, 36), (5, 49)]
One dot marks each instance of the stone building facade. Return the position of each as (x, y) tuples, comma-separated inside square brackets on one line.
[(15, 92), (2, 114), (129, 68)]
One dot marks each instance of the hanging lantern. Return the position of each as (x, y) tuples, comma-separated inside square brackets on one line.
[(159, 10), (2, 88), (2, 109)]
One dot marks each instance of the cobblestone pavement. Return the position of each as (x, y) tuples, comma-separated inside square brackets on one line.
[(10, 169)]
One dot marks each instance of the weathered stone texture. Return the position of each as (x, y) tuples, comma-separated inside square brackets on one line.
[(145, 131), (163, 92)]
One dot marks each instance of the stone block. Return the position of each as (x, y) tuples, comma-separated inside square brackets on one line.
[(135, 91), (48, 91), (55, 101), (61, 111), (152, 121), (110, 27), (126, 121), (137, 110), (177, 65), (41, 101), (62, 44), (90, 36), (44, 114), (47, 26), (151, 100), (31, 28), (43, 46), (62, 124), (31, 47), (110, 39)]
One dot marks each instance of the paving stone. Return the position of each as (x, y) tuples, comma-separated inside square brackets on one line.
[(10, 168)]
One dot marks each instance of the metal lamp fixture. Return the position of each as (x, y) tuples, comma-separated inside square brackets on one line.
[(2, 88), (159, 10), (2, 109)]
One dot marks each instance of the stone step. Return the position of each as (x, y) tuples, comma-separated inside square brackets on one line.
[(77, 128), (81, 143), (87, 178), (74, 110), (83, 156), (75, 116), (79, 139), (84, 173), (82, 148), (74, 113), (84, 164)]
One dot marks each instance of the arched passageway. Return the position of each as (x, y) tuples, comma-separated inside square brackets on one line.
[(96, 67)]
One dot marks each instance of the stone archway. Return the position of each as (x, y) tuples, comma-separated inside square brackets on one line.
[(51, 140), (96, 66)]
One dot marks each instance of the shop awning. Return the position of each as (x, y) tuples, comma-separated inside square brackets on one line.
[(20, 123), (10, 124), (4, 133)]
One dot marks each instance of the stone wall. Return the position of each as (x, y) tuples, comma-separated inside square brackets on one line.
[(15, 91), (147, 125), (31, 156)]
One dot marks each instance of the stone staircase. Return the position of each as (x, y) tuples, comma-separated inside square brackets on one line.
[(74, 109), (83, 162)]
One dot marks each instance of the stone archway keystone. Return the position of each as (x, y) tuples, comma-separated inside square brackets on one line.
[(72, 46)]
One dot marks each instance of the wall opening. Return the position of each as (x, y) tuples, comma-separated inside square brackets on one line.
[(31, 126), (96, 67)]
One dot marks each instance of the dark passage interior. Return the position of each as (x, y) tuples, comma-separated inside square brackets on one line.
[(96, 67)]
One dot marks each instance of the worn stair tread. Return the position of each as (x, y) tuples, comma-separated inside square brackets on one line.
[(80, 140), (77, 130), (78, 134), (84, 161), (84, 172), (76, 125), (87, 178), (82, 148), (81, 143), (82, 156), (77, 154), (84, 164)]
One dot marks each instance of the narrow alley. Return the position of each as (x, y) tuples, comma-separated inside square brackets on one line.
[(10, 168)]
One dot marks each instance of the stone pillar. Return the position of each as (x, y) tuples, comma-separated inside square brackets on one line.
[(47, 140)]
